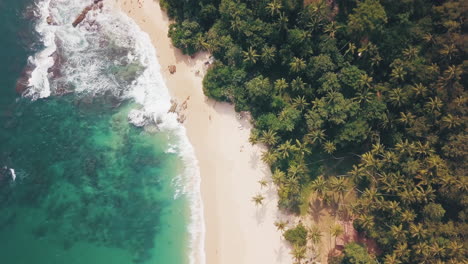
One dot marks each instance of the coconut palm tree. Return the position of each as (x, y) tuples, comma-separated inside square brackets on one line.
[(397, 97), (269, 137), (298, 253), (419, 89), (434, 104), (250, 56), (319, 186), (283, 21), (398, 73), (297, 64), (254, 137), (298, 85), (391, 259), (281, 225), (281, 85), (450, 121), (268, 55), (339, 185), (300, 103), (285, 148), (398, 233), (336, 230), (417, 231), (406, 118), (329, 147), (269, 157), (410, 53), (278, 176), (258, 199), (315, 235), (274, 7), (317, 135), (263, 183)]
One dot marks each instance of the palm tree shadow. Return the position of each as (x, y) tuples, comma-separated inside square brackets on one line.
[(316, 208), (260, 213), (254, 158)]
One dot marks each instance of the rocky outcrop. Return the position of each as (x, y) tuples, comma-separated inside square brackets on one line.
[(95, 5), (172, 69)]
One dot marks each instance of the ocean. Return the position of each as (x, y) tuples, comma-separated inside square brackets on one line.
[(93, 166)]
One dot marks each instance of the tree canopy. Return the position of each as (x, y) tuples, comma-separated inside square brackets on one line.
[(376, 84)]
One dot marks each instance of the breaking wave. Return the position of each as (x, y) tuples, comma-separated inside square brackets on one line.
[(108, 54)]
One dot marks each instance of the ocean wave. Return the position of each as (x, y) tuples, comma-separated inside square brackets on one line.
[(109, 54)]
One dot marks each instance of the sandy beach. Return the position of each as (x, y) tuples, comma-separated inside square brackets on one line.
[(237, 231)]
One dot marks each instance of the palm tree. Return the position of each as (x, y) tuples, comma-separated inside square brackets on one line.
[(410, 53), (268, 55), (283, 20), (398, 233), (302, 148), (419, 90), (351, 48), (297, 64), (434, 104), (450, 121), (398, 73), (319, 186), (448, 51), (274, 7), (316, 136), (331, 29), (406, 118), (254, 136), (300, 103), (281, 85), (269, 157), (236, 24), (258, 199), (263, 183), (366, 221), (297, 84), (336, 230), (329, 147), (391, 259), (278, 176), (339, 185), (397, 97), (364, 97), (285, 148), (408, 216), (315, 235), (298, 253), (250, 56), (269, 137), (281, 225), (295, 170), (417, 231)]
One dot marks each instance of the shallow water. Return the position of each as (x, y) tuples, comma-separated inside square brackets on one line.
[(90, 187)]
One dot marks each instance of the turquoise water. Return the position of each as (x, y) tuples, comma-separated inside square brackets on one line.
[(90, 187)]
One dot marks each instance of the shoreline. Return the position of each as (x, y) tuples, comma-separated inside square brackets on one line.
[(237, 231)]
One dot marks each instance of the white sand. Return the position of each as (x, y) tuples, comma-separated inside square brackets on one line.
[(237, 231)]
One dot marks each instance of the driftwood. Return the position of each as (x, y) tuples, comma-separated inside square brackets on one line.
[(96, 4)]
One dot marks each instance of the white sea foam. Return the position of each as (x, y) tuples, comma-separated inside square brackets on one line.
[(13, 174), (94, 52)]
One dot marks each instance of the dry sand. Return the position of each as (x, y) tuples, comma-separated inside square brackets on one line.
[(237, 231)]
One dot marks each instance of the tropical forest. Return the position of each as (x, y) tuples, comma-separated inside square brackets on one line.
[(361, 103)]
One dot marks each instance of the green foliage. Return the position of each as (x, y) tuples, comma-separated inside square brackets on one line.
[(368, 17), (377, 85), (356, 254), (297, 235), (186, 36)]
